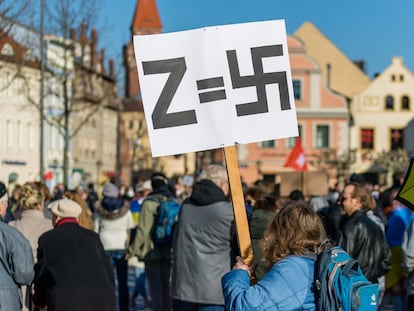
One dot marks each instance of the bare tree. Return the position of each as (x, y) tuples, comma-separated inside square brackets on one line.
[(85, 86), (392, 161), (12, 14), (329, 159), (12, 11)]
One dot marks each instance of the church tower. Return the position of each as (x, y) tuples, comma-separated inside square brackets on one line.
[(146, 21)]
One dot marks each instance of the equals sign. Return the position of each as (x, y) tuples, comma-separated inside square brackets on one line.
[(214, 95)]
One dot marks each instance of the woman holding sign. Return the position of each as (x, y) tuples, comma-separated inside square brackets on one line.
[(295, 231)]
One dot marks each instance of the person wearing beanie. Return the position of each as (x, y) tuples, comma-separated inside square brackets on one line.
[(156, 257), (72, 271), (16, 258), (113, 223)]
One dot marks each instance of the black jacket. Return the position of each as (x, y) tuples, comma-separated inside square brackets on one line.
[(73, 272), (364, 240)]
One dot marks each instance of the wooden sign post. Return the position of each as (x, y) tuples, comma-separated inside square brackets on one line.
[(240, 216)]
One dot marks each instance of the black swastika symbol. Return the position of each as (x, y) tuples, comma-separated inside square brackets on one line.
[(259, 80), (176, 67)]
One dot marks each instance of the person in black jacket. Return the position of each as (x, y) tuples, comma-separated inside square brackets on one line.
[(72, 271), (361, 237)]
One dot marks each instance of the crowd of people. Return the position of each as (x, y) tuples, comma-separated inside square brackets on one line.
[(71, 249)]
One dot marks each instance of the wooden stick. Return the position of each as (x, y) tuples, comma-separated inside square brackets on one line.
[(240, 216)]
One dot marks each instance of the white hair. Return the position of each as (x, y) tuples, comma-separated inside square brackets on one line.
[(216, 173)]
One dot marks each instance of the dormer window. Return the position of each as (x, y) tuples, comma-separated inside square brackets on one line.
[(7, 50)]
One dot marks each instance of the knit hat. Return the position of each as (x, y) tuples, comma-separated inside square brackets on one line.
[(65, 208), (3, 189), (110, 190)]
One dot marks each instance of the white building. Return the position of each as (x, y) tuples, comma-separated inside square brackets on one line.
[(380, 113)]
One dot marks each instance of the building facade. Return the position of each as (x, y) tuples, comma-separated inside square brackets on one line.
[(381, 113), (79, 114), (19, 99)]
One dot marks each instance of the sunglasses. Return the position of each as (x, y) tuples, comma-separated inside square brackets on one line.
[(342, 199)]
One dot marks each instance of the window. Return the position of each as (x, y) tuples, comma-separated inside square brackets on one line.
[(291, 141), (367, 138), (389, 102), (397, 139), (405, 103), (297, 92), (29, 56), (322, 136), (131, 124), (392, 78), (20, 135), (7, 50), (30, 135), (9, 134), (267, 144), (401, 78)]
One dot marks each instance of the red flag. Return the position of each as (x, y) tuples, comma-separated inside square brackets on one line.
[(296, 159)]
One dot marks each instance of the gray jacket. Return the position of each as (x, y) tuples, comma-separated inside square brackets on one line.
[(408, 248), (202, 246), (16, 267)]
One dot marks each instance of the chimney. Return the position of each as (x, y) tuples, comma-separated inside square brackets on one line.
[(360, 64), (82, 37), (328, 75), (72, 34), (102, 60), (94, 36), (94, 53), (111, 68)]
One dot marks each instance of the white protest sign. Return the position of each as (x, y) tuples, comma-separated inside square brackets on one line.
[(213, 87)]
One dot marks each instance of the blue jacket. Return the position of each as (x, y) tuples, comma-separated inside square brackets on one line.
[(287, 286)]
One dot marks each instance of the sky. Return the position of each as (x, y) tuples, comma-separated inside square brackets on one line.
[(369, 30)]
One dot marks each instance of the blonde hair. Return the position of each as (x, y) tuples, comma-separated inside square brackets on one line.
[(215, 173), (295, 230), (32, 196)]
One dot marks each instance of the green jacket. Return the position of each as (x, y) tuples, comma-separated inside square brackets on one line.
[(143, 247), (259, 221)]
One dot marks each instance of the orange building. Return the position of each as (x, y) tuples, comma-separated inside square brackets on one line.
[(322, 118)]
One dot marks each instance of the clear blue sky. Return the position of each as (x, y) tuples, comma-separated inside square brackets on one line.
[(374, 31)]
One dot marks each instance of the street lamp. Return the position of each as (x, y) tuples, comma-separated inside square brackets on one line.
[(41, 103)]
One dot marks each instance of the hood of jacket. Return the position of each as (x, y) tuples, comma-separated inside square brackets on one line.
[(111, 209), (206, 192), (164, 190)]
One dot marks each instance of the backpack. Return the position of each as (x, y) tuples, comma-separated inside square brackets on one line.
[(167, 217), (340, 284)]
